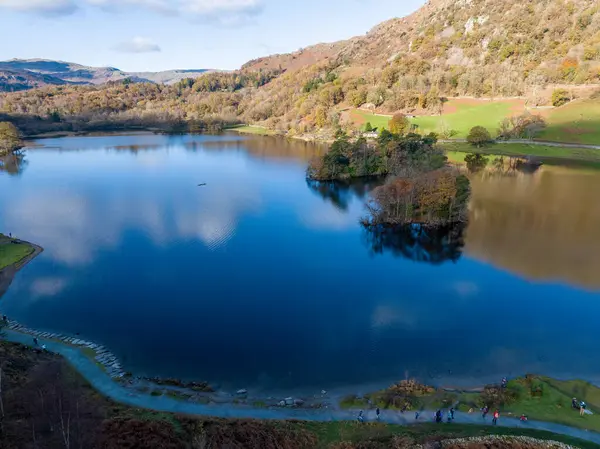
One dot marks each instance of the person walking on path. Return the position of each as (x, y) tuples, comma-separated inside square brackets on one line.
[(361, 418), (35, 341), (377, 413), (451, 413), (417, 415), (496, 416), (582, 408), (484, 411)]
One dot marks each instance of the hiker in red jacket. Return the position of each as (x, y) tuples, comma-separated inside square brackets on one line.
[(496, 416)]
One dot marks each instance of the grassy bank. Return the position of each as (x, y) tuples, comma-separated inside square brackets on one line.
[(251, 129), (539, 398), (583, 156), (12, 253)]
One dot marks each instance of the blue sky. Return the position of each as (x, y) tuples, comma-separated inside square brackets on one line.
[(138, 35)]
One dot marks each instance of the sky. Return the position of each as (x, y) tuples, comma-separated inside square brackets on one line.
[(153, 35)]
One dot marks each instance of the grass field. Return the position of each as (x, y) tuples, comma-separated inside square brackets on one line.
[(11, 253), (251, 129), (353, 432), (460, 116), (376, 120), (576, 122), (466, 115), (554, 402), (457, 151)]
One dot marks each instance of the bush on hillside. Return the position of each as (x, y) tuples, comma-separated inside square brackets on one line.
[(560, 97)]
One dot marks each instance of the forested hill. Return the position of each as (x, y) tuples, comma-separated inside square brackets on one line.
[(481, 48)]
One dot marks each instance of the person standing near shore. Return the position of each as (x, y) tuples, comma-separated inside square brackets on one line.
[(496, 416), (484, 411)]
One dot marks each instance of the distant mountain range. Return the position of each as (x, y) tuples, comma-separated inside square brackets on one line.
[(23, 74)]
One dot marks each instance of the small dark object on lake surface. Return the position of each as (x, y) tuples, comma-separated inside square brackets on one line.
[(202, 185)]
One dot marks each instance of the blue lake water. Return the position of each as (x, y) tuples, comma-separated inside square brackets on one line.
[(260, 279)]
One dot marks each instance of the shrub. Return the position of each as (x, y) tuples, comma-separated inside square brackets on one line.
[(560, 97), (479, 136)]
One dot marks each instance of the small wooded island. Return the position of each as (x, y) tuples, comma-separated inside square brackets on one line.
[(421, 187)]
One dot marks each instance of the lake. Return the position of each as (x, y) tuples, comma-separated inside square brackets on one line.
[(260, 279)]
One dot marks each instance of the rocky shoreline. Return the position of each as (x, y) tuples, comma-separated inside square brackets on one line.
[(103, 357), (199, 392)]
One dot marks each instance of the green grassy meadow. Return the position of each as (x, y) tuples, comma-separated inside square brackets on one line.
[(251, 129), (576, 122), (463, 116), (12, 253), (466, 116)]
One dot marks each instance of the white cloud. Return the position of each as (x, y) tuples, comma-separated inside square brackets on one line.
[(222, 11), (48, 286), (138, 45), (465, 289), (50, 7)]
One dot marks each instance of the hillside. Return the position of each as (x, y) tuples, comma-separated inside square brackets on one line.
[(13, 81), (468, 48), (40, 72)]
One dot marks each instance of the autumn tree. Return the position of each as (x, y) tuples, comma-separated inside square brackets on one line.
[(10, 139), (399, 124), (479, 136)]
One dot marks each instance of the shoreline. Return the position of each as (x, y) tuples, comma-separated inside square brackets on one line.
[(165, 403)]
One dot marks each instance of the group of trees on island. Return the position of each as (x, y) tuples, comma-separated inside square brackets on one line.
[(421, 187)]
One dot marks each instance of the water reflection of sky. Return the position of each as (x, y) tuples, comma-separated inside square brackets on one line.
[(257, 279)]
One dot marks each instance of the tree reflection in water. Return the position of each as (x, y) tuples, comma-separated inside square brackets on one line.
[(430, 244), (13, 164), (340, 193)]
